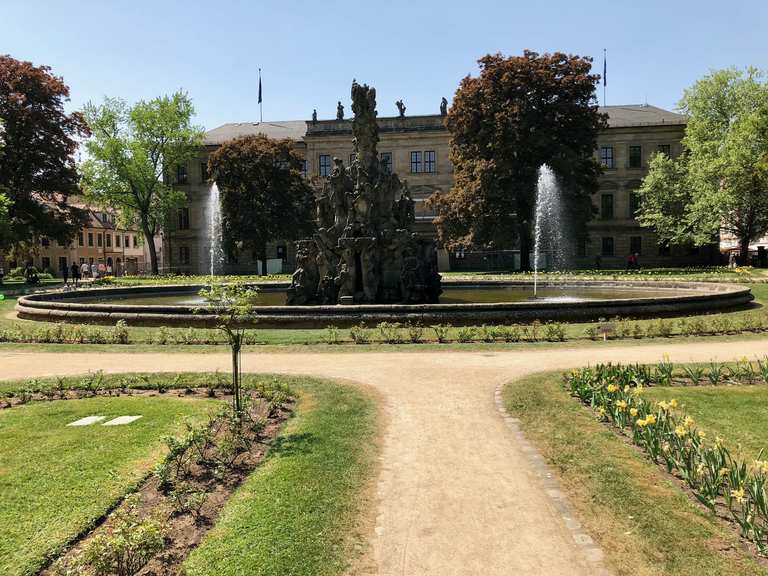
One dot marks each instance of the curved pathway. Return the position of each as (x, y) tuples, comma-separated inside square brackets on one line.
[(456, 492)]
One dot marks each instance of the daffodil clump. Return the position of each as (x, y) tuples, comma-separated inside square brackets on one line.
[(672, 438)]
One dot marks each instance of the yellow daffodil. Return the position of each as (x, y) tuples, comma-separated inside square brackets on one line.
[(641, 423), (673, 403), (650, 419), (621, 405), (633, 412), (612, 388), (680, 431), (626, 388), (689, 422), (702, 434), (663, 405), (738, 495)]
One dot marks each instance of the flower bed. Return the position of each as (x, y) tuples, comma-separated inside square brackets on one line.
[(719, 480)]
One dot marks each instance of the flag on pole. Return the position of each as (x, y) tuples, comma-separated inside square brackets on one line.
[(259, 85)]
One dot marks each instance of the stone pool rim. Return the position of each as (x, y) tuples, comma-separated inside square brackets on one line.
[(707, 297)]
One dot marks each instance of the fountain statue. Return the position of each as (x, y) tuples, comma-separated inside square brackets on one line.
[(364, 250)]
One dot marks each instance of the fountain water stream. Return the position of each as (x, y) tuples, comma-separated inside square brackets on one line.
[(213, 212), (549, 236)]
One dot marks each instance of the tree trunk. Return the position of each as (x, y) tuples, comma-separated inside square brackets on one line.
[(150, 239), (744, 251), (263, 258), (525, 246)]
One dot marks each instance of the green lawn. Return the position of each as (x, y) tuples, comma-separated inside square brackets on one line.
[(645, 522), (738, 414), (299, 513), (55, 480)]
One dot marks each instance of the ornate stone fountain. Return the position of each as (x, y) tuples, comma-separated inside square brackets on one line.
[(364, 251)]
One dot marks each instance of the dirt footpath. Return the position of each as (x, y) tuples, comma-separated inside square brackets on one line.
[(456, 494)]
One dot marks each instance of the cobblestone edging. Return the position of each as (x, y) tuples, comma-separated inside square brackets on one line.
[(593, 554)]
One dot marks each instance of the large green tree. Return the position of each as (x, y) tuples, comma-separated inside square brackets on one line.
[(519, 113), (263, 194), (37, 167), (133, 152), (720, 183)]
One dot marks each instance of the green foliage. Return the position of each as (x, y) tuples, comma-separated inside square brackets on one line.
[(132, 154), (129, 544), (721, 183), (359, 334), (264, 196), (441, 333)]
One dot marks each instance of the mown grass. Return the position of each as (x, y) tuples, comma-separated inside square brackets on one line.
[(642, 518), (55, 481), (299, 513), (738, 414)]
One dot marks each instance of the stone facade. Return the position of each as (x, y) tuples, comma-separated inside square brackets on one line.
[(418, 148), (101, 241)]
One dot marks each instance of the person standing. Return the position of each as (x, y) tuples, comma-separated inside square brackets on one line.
[(75, 273), (65, 272), (94, 271), (84, 270)]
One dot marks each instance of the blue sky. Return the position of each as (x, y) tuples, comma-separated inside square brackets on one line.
[(417, 50)]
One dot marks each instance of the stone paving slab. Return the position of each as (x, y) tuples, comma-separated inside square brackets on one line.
[(121, 420), (87, 421)]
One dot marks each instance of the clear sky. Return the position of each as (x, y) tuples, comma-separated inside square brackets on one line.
[(416, 50)]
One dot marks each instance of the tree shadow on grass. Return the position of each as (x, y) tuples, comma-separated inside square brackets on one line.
[(292, 445)]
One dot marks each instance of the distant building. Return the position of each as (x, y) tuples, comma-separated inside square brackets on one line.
[(416, 148), (101, 241)]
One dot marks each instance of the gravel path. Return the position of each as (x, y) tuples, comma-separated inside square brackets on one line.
[(456, 491)]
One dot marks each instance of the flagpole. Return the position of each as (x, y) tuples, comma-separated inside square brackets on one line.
[(605, 72), (261, 118)]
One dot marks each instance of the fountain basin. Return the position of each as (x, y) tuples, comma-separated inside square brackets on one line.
[(585, 300)]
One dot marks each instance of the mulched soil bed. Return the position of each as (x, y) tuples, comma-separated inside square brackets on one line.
[(185, 530)]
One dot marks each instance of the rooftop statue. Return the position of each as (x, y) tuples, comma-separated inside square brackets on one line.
[(443, 107), (400, 108), (364, 250), (339, 111)]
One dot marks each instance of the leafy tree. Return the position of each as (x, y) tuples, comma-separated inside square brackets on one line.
[(132, 154), (37, 167), (5, 204), (263, 194), (519, 113), (721, 182)]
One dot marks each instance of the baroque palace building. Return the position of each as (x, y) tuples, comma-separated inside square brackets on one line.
[(416, 148)]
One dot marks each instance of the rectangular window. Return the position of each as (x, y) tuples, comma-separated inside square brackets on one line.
[(203, 172), (127, 242), (607, 248), (90, 238), (606, 156), (634, 204), (636, 244), (135, 242), (581, 247), (183, 218), (351, 159), (183, 254), (117, 240), (99, 240), (46, 263), (429, 161), (181, 174), (415, 162), (45, 241), (665, 149), (606, 206), (79, 238), (304, 168), (324, 168), (109, 240), (386, 162), (635, 157)]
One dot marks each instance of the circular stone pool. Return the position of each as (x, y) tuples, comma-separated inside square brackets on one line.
[(460, 303)]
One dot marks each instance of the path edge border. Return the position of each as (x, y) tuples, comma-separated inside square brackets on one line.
[(590, 550)]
